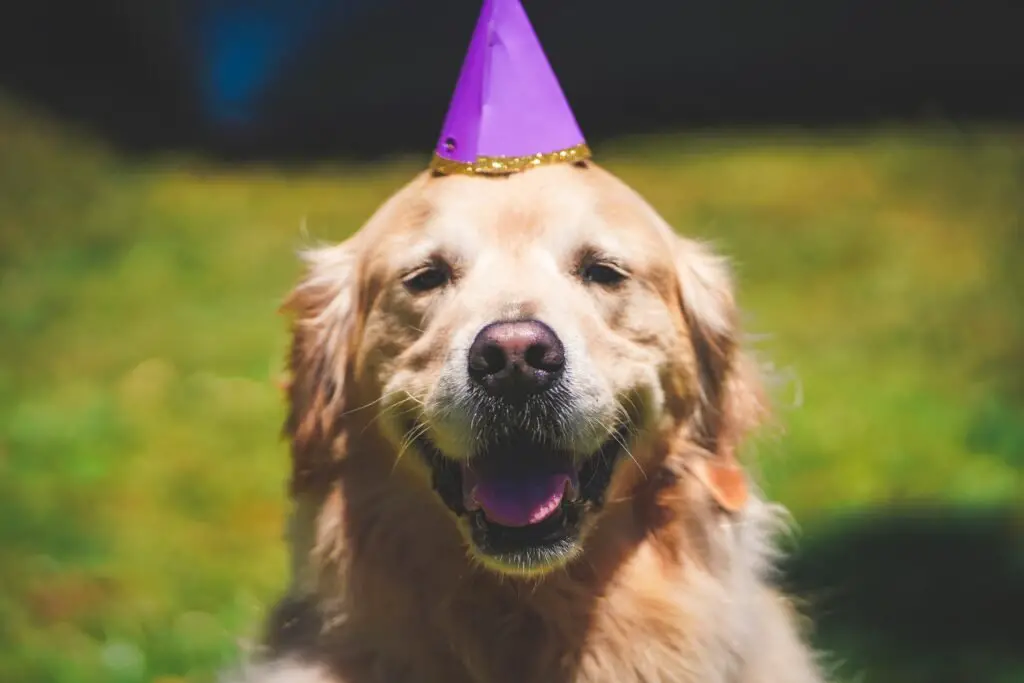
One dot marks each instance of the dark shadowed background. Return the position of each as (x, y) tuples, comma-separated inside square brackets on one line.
[(862, 162), (322, 78)]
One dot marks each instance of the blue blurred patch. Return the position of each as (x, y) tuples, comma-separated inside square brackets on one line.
[(244, 46)]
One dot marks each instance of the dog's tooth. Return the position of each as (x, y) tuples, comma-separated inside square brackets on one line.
[(572, 487), (469, 489), (469, 501)]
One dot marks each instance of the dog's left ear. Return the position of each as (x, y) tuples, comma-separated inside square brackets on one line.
[(729, 402)]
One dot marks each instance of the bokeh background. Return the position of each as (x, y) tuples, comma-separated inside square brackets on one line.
[(160, 162)]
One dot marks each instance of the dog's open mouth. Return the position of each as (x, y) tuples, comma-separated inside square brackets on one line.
[(524, 501)]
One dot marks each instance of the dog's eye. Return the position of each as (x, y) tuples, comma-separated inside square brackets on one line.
[(602, 274), (428, 278)]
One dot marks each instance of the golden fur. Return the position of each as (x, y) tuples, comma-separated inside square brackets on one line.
[(673, 583)]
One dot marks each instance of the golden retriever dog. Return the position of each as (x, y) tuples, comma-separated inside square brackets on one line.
[(515, 409)]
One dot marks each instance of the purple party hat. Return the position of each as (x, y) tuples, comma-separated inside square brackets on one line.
[(508, 112)]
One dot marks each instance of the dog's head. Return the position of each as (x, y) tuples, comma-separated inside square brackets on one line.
[(532, 346)]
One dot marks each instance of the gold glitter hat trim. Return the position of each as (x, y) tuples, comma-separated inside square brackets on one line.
[(508, 165)]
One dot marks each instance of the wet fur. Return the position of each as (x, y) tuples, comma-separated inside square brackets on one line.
[(674, 585)]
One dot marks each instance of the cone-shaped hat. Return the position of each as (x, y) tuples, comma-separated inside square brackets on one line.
[(508, 112)]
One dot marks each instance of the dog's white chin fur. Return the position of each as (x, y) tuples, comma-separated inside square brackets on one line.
[(282, 671)]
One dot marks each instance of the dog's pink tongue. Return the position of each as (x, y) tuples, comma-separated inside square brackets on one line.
[(520, 501)]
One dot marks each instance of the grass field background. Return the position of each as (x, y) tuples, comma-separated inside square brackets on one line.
[(142, 476)]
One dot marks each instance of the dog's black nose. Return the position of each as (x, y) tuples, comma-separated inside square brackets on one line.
[(513, 360)]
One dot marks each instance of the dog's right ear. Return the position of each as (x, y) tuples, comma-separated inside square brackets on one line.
[(730, 402), (324, 309)]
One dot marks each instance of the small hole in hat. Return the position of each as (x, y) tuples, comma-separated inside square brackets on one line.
[(449, 145)]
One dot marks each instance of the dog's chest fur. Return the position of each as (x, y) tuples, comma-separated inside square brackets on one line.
[(651, 622), (642, 625)]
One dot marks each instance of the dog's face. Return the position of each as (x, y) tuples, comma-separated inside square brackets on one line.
[(526, 342)]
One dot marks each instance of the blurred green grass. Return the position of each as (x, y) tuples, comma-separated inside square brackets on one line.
[(142, 476)]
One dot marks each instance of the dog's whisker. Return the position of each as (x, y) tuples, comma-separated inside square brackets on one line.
[(626, 449), (375, 401), (407, 439), (390, 410), (616, 501), (410, 438), (630, 398)]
